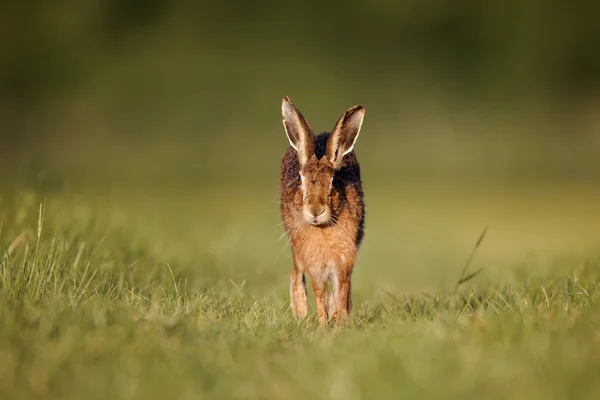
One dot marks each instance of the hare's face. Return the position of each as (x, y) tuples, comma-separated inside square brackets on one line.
[(316, 179), (316, 176)]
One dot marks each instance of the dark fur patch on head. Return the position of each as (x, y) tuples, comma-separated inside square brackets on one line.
[(321, 144)]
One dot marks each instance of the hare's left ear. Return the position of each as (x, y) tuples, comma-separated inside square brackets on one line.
[(344, 135)]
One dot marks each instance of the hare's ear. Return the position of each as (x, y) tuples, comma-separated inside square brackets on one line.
[(297, 130), (344, 135)]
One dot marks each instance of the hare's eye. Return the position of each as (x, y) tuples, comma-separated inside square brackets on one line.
[(299, 178)]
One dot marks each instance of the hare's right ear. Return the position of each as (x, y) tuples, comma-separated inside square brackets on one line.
[(297, 130)]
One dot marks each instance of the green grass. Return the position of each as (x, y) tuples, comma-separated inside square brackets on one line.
[(136, 295)]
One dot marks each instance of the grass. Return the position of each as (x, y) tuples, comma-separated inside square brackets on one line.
[(126, 296)]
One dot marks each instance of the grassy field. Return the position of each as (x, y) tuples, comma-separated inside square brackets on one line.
[(141, 250), (128, 294)]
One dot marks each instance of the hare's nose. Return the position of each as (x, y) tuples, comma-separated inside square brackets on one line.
[(317, 209)]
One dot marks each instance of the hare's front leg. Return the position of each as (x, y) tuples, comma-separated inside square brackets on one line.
[(349, 305), (334, 296), (298, 294), (319, 284), (344, 299)]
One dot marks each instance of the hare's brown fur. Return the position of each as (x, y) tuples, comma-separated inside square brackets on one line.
[(324, 251)]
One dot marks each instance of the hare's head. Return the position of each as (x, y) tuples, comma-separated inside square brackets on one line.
[(316, 175)]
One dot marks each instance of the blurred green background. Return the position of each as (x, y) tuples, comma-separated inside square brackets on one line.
[(145, 137), (478, 113), (172, 91)]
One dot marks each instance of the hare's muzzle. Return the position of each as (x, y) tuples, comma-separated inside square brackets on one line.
[(316, 212)]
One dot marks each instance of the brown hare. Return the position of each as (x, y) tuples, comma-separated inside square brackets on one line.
[(322, 209)]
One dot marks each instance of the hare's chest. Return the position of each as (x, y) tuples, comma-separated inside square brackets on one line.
[(317, 247)]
